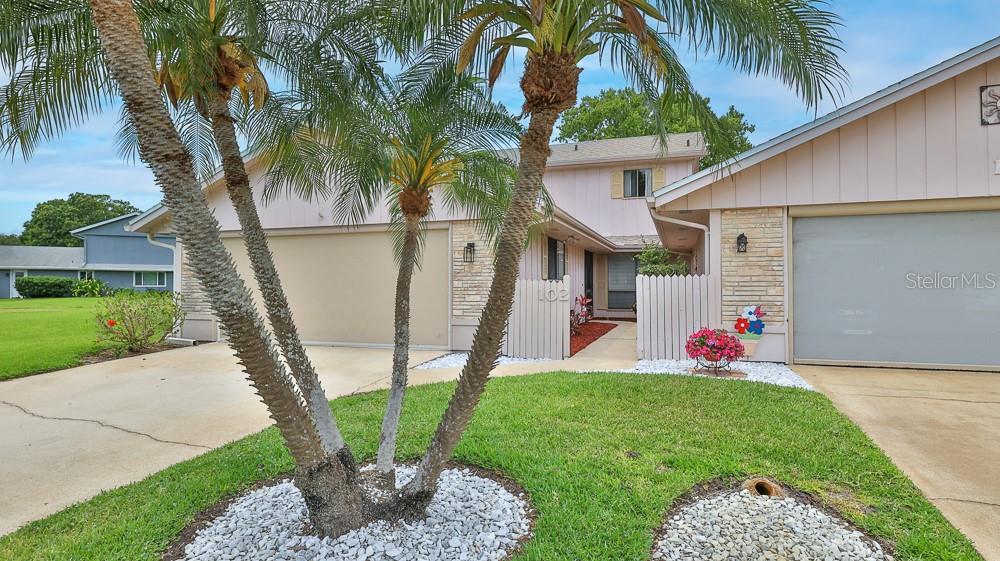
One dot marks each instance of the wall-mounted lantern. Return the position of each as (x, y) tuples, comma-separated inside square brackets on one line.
[(469, 255), (741, 243)]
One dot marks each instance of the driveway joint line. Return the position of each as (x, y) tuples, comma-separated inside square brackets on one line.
[(927, 398), (101, 424), (957, 500)]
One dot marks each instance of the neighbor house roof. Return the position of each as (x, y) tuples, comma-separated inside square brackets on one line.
[(103, 222), (865, 106), (40, 257)]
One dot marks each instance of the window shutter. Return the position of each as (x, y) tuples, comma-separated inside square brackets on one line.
[(659, 178), (545, 257), (617, 184)]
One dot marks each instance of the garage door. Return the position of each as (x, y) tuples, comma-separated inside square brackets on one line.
[(341, 287), (921, 289)]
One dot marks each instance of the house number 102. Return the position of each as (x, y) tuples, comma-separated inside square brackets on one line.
[(553, 294)]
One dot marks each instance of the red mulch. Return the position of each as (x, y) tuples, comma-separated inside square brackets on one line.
[(590, 332)]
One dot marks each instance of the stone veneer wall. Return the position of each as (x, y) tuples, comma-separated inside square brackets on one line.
[(756, 277), (470, 282)]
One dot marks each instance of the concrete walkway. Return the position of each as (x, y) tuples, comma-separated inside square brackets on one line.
[(66, 436), (941, 428)]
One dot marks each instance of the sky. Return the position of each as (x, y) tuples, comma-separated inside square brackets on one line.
[(884, 42)]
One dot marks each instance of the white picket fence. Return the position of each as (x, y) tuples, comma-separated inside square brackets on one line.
[(669, 309), (539, 320)]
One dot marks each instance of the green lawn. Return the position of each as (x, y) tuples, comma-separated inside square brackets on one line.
[(571, 441), (38, 335)]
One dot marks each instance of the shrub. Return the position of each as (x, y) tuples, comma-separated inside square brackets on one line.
[(655, 260), (91, 288), (138, 320), (45, 287)]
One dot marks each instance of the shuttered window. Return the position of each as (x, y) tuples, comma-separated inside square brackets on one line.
[(637, 182), (621, 281)]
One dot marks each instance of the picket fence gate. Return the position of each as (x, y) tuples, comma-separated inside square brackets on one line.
[(539, 320), (669, 309)]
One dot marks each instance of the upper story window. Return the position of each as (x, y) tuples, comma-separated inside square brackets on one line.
[(637, 182), (149, 279)]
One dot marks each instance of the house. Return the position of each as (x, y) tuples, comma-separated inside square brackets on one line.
[(340, 280), (121, 258), (870, 236)]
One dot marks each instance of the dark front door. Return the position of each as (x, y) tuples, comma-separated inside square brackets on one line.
[(588, 277)]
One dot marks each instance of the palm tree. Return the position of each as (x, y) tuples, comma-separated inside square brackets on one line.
[(205, 51), (793, 40), (416, 138), (62, 56)]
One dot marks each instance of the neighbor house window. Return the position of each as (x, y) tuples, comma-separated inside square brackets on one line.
[(86, 275), (621, 281), (637, 182), (556, 259), (149, 279)]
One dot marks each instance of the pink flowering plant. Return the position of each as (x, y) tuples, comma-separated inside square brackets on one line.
[(714, 349)]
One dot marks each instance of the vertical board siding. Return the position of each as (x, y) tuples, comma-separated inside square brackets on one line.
[(930, 144), (669, 309), (538, 326)]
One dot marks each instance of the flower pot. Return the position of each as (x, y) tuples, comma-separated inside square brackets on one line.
[(712, 357)]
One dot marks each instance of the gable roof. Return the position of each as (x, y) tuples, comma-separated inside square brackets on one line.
[(861, 108), (103, 222), (634, 148), (40, 257)]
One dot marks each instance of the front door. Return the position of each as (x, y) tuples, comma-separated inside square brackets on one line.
[(588, 277), (13, 283)]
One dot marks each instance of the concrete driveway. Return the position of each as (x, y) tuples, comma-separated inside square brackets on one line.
[(68, 435), (941, 428)]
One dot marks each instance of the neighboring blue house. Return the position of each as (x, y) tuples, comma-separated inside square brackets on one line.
[(110, 253)]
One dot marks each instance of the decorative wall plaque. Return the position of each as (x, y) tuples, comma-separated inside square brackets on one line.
[(990, 99)]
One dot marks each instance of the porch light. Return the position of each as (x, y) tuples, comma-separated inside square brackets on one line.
[(741, 243), (469, 255)]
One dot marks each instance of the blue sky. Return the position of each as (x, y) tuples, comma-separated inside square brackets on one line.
[(884, 40)]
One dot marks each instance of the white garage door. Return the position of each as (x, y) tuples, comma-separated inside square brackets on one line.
[(341, 287), (921, 289)]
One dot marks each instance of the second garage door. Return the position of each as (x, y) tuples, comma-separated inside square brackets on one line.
[(341, 286), (903, 289)]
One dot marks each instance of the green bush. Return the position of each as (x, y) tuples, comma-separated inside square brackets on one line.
[(91, 288), (656, 261), (134, 321), (45, 287)]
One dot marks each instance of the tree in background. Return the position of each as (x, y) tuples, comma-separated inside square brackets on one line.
[(52, 221), (623, 113), (10, 239)]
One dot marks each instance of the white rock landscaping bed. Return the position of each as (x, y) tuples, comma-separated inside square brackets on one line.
[(767, 372), (458, 360), (471, 518), (738, 526)]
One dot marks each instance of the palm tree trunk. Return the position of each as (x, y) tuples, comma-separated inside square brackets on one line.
[(161, 148), (279, 314), (493, 322), (400, 354)]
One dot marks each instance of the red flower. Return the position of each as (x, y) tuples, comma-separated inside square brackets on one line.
[(112, 323), (742, 324)]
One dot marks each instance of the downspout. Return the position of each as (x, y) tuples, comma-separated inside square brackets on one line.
[(651, 205), (151, 238)]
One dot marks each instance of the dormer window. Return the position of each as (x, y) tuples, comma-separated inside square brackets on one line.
[(637, 182)]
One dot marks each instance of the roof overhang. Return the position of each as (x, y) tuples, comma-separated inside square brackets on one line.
[(865, 106), (75, 233)]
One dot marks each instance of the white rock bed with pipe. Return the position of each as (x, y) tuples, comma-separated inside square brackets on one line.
[(741, 526), (470, 518)]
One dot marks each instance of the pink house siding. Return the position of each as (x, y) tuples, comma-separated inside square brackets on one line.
[(929, 145), (585, 193)]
